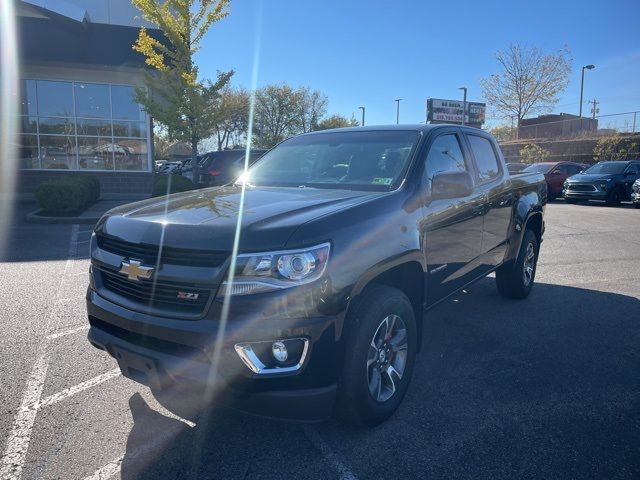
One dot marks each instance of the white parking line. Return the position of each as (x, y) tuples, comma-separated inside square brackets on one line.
[(64, 333), (18, 442), (344, 473), (67, 392)]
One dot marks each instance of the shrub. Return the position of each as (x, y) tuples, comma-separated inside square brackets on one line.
[(166, 184), (533, 153), (67, 195), (615, 147)]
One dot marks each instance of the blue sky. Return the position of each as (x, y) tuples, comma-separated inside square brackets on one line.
[(371, 52)]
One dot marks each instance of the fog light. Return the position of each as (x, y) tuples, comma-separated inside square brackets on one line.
[(279, 352)]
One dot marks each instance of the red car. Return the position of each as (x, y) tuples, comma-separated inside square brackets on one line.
[(555, 173)]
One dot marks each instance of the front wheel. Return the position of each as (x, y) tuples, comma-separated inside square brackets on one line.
[(614, 198), (515, 279), (380, 349)]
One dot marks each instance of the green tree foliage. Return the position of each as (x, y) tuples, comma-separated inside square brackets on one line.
[(529, 82), (232, 116), (337, 121), (533, 153), (175, 97), (616, 147), (503, 133)]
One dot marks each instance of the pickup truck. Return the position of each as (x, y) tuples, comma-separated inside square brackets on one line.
[(303, 289)]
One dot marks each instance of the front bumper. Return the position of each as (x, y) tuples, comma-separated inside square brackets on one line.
[(585, 195), (635, 197), (162, 352)]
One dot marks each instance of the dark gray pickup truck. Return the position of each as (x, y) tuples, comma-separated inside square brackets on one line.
[(303, 289)]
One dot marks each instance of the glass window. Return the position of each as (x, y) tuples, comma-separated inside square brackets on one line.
[(95, 153), (486, 160), (130, 154), (28, 125), (28, 152), (94, 127), (445, 155), (123, 128), (633, 168), (124, 105), (55, 99), (28, 97), (92, 100), (57, 126), (57, 152)]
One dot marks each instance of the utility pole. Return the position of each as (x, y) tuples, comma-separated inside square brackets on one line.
[(362, 108), (464, 105), (594, 109), (398, 110)]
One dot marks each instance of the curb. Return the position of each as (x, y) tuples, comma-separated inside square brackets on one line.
[(35, 217)]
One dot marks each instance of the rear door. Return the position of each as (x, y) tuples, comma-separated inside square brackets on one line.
[(493, 182), (451, 228)]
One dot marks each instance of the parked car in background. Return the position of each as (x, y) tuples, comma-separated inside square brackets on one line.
[(515, 167), (635, 193), (609, 181), (224, 166), (169, 167), (555, 173)]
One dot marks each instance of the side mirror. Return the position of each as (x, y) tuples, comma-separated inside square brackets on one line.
[(451, 185)]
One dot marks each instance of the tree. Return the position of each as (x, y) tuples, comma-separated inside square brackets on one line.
[(615, 147), (312, 107), (232, 116), (277, 114), (175, 97), (161, 146), (337, 121), (503, 133), (533, 153), (529, 83)]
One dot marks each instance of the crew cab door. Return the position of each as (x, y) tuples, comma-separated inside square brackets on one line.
[(494, 182), (451, 229)]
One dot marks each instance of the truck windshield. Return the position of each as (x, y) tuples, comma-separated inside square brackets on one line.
[(607, 168), (365, 160)]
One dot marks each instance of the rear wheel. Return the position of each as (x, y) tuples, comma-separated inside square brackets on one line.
[(614, 198), (571, 201), (515, 279), (381, 343)]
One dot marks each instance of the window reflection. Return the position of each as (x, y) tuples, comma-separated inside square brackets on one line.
[(124, 105), (57, 152), (28, 97), (130, 154), (55, 99), (92, 100), (95, 153), (28, 152), (91, 126), (58, 126)]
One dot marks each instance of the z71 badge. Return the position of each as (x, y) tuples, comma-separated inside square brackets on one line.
[(188, 295)]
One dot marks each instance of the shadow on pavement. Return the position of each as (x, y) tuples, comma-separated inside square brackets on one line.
[(547, 387)]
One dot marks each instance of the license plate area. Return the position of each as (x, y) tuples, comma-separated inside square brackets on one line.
[(138, 368)]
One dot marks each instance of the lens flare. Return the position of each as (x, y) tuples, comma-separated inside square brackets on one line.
[(9, 74)]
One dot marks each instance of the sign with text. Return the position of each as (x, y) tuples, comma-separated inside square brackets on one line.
[(450, 111)]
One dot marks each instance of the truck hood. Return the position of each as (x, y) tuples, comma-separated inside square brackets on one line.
[(206, 219), (593, 177)]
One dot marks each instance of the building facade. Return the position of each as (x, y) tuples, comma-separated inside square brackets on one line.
[(77, 83), (556, 126)]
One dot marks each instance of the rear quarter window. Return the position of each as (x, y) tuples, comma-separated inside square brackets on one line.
[(487, 161)]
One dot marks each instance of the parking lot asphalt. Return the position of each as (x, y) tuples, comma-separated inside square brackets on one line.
[(548, 387)]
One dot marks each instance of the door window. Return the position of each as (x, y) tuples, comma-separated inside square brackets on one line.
[(445, 155), (486, 160), (633, 168)]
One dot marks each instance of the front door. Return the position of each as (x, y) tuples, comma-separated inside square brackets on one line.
[(451, 228)]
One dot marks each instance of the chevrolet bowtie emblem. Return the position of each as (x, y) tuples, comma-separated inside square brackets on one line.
[(134, 270)]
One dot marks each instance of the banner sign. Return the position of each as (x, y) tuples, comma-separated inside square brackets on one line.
[(450, 111)]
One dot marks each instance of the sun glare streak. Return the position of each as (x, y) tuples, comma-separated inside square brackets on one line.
[(217, 350), (8, 115)]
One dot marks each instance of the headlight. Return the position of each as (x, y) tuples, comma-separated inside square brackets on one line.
[(604, 184), (264, 272)]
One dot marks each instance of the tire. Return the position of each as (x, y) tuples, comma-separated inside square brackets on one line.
[(614, 198), (516, 278), (365, 398), (636, 205)]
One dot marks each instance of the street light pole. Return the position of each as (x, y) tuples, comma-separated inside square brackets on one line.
[(398, 110), (464, 105), (588, 67), (362, 108)]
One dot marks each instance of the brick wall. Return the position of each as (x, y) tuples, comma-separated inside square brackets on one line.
[(113, 185)]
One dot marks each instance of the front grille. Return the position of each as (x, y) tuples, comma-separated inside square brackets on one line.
[(149, 253), (577, 187), (164, 296)]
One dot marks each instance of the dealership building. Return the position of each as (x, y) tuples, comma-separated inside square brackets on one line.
[(77, 80)]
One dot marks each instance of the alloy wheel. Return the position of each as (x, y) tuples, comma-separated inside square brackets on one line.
[(387, 358)]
